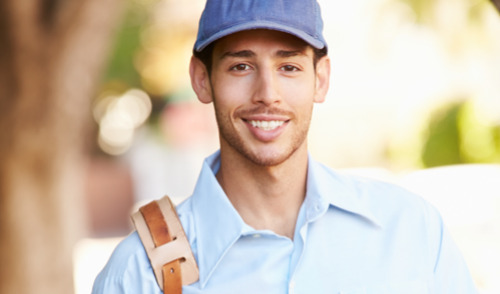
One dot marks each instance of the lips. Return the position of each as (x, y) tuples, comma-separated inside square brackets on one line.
[(265, 124), (266, 129)]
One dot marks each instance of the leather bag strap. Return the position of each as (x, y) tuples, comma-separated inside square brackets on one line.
[(166, 244), (172, 282)]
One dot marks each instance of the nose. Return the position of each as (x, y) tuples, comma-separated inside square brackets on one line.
[(266, 89)]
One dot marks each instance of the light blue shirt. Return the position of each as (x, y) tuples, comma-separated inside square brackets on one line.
[(352, 236)]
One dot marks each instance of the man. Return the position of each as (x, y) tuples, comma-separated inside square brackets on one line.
[(264, 216)]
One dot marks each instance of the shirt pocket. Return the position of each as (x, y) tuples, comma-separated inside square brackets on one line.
[(407, 287)]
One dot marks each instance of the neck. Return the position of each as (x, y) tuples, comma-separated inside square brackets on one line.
[(266, 197)]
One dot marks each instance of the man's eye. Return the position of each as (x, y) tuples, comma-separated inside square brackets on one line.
[(240, 67), (289, 68)]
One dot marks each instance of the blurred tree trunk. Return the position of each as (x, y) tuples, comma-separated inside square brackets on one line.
[(51, 54), (497, 4)]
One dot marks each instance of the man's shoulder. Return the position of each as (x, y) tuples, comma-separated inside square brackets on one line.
[(128, 270), (128, 262), (131, 250), (366, 186), (128, 253), (130, 247), (388, 199)]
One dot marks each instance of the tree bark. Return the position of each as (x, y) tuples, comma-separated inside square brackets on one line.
[(497, 4), (51, 54)]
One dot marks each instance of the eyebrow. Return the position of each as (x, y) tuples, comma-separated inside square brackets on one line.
[(243, 53), (249, 53), (286, 53)]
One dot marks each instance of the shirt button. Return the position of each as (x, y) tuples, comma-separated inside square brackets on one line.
[(256, 235)]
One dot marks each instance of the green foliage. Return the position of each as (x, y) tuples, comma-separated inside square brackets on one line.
[(425, 11), (442, 145), (121, 63), (457, 134)]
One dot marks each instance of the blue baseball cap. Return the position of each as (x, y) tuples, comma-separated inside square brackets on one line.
[(301, 18)]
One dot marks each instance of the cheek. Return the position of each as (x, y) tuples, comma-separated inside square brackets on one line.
[(230, 93), (299, 92)]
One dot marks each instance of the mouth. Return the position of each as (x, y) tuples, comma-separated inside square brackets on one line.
[(265, 124), (266, 130)]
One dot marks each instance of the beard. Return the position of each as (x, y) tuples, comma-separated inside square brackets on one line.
[(265, 155)]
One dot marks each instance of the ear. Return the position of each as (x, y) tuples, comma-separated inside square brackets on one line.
[(200, 80), (322, 79)]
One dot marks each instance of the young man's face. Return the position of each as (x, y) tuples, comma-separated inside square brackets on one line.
[(263, 85)]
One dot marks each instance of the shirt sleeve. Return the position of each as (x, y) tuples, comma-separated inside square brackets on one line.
[(451, 274), (127, 271)]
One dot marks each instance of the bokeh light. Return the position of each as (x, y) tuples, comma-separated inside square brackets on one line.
[(118, 118)]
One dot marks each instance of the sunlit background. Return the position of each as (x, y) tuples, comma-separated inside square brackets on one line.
[(414, 99)]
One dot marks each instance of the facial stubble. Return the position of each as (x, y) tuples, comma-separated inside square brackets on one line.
[(234, 139)]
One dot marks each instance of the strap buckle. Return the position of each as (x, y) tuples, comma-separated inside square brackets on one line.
[(164, 239)]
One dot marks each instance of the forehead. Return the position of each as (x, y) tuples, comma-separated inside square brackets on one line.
[(260, 40)]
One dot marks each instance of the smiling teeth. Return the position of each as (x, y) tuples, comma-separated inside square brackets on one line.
[(266, 125)]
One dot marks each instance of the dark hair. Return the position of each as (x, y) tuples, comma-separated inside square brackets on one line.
[(318, 54), (206, 56)]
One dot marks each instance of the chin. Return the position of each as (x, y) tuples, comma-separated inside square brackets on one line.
[(268, 159)]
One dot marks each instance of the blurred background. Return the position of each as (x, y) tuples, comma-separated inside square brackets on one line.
[(414, 99)]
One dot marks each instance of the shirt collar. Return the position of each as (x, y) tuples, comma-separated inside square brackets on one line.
[(220, 226), (217, 223), (326, 188)]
